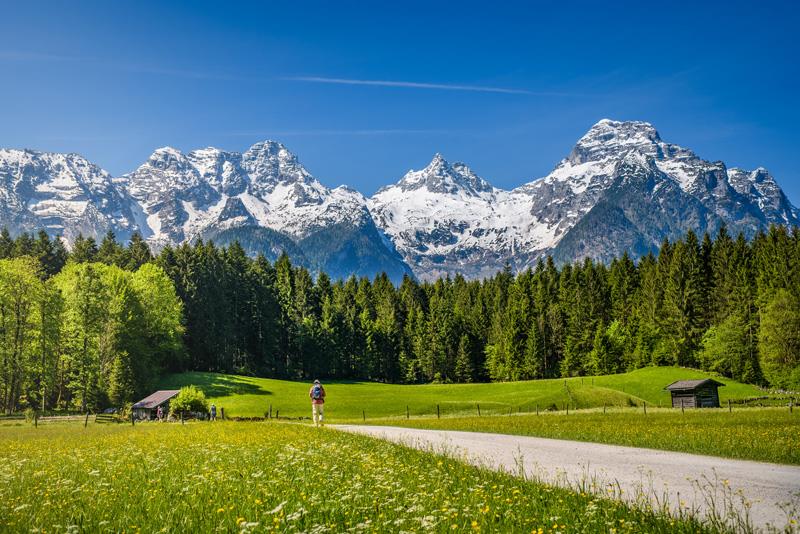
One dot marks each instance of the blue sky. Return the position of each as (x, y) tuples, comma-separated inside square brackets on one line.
[(505, 87)]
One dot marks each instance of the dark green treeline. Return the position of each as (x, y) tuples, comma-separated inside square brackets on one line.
[(722, 304)]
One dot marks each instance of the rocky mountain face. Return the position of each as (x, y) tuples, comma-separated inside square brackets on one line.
[(265, 199), (61, 193), (620, 188)]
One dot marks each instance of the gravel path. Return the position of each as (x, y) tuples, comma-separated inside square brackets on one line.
[(640, 474)]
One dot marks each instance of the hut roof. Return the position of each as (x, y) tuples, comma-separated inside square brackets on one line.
[(159, 397), (688, 385)]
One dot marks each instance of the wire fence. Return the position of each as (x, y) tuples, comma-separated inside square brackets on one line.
[(438, 411)]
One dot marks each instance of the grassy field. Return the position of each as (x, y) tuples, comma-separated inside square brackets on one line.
[(256, 477), (762, 434), (251, 397)]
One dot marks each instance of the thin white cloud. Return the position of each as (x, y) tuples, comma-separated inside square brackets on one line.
[(357, 132), (413, 85)]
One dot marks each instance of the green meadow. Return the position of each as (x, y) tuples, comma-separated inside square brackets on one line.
[(243, 396), (762, 434), (277, 477)]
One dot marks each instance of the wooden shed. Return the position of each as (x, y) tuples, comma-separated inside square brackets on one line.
[(700, 393), (148, 407)]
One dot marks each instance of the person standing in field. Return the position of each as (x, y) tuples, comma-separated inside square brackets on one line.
[(317, 394), (213, 416)]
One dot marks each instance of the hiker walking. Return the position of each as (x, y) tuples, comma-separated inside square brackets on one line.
[(160, 414), (213, 412), (317, 394)]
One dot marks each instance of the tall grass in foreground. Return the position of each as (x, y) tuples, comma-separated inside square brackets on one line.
[(256, 477), (763, 434)]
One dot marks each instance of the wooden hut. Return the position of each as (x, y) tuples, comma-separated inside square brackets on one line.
[(148, 407), (700, 393)]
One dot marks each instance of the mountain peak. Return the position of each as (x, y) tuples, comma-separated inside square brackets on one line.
[(167, 152), (440, 176), (168, 159), (267, 145), (610, 137)]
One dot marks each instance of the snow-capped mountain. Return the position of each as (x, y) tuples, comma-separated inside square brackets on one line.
[(184, 196), (265, 199), (635, 189), (442, 217), (620, 188), (63, 194)]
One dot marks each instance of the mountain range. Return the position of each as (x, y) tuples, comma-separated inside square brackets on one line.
[(621, 188)]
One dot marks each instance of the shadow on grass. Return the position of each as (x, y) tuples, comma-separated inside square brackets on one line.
[(218, 385)]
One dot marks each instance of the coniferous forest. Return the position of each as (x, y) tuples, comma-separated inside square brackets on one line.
[(97, 326)]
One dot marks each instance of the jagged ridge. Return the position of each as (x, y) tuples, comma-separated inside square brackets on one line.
[(620, 188)]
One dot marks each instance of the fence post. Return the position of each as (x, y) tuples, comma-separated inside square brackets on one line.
[(438, 415), (567, 408), (790, 405), (681, 405), (222, 412), (645, 407), (86, 422), (182, 418), (364, 415), (604, 408), (729, 406), (277, 414), (36, 420), (479, 410), (408, 414), (133, 422), (270, 411), (537, 409)]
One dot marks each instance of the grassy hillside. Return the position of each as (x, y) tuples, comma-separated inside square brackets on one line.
[(248, 397)]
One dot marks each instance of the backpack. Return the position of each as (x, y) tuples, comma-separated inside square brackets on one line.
[(316, 393)]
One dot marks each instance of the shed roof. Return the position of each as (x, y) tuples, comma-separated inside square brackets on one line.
[(683, 385), (159, 397)]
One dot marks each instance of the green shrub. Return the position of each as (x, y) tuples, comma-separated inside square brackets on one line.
[(190, 399), (125, 410), (30, 415)]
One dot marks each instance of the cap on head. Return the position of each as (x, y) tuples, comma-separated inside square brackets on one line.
[(316, 381)]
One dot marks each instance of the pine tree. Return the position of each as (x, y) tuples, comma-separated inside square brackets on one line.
[(533, 365), (463, 370), (110, 252), (122, 385), (84, 250), (6, 244)]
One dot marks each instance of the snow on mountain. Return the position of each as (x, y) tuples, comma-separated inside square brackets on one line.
[(214, 194), (62, 193), (442, 225), (186, 196), (443, 216), (620, 188)]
